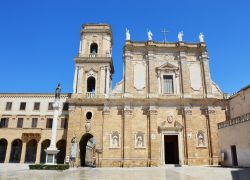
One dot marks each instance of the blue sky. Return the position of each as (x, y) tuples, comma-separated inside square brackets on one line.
[(38, 39)]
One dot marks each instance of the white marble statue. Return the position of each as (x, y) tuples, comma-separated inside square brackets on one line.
[(150, 36), (201, 37), (180, 36), (127, 35)]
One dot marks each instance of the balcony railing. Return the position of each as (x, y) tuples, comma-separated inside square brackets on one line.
[(90, 94), (237, 120)]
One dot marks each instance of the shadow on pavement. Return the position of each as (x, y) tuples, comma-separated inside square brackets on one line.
[(241, 174)]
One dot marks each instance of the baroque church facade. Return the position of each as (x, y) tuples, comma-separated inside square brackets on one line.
[(165, 110)]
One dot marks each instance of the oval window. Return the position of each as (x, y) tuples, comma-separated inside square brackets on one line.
[(89, 115)]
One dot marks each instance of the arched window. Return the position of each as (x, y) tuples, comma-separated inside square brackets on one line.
[(93, 49), (91, 84)]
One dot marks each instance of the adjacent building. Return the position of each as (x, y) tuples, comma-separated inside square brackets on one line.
[(165, 110), (234, 133)]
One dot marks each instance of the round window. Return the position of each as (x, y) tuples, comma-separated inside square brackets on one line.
[(89, 115)]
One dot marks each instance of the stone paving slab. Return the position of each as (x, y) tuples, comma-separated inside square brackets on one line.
[(21, 171)]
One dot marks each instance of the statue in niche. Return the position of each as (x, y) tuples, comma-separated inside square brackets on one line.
[(201, 139), (139, 140), (115, 140)]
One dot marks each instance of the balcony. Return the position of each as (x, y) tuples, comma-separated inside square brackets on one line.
[(237, 120), (90, 94)]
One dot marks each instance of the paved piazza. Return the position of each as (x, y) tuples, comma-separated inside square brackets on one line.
[(17, 171)]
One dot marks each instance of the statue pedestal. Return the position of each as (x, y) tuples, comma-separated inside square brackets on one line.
[(51, 153)]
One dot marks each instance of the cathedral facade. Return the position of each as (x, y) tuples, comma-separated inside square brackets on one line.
[(165, 110)]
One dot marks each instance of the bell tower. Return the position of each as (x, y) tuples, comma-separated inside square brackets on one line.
[(93, 64)]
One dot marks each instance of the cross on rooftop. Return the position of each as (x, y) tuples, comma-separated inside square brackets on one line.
[(164, 31)]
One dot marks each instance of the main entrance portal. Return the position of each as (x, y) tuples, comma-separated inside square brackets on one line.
[(171, 149)]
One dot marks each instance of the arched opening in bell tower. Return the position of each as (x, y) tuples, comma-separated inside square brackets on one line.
[(93, 48), (91, 85), (87, 150)]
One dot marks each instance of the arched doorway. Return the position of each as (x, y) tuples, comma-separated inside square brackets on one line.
[(16, 150), (61, 145), (87, 150), (30, 156), (45, 144), (3, 148)]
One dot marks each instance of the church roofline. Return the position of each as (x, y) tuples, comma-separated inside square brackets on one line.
[(152, 44)]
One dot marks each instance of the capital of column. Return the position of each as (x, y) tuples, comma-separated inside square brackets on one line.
[(127, 110), (152, 110), (187, 110), (210, 110)]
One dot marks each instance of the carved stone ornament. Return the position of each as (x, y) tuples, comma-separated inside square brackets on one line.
[(165, 127), (91, 72), (170, 118), (88, 126)]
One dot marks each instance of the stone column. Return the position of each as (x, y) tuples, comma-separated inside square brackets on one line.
[(159, 82), (23, 152), (38, 152), (107, 80), (8, 151), (102, 80), (80, 85), (75, 80), (51, 151), (80, 47)]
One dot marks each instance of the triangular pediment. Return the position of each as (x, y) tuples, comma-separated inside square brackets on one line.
[(167, 66)]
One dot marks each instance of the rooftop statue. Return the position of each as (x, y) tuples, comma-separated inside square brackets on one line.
[(150, 35), (180, 36), (201, 37), (58, 91), (127, 35)]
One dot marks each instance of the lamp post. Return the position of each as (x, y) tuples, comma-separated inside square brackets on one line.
[(51, 151)]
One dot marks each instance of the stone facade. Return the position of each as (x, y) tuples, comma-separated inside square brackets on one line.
[(164, 110)]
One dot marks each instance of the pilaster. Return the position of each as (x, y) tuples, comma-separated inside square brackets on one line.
[(8, 151), (23, 153), (38, 153)]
